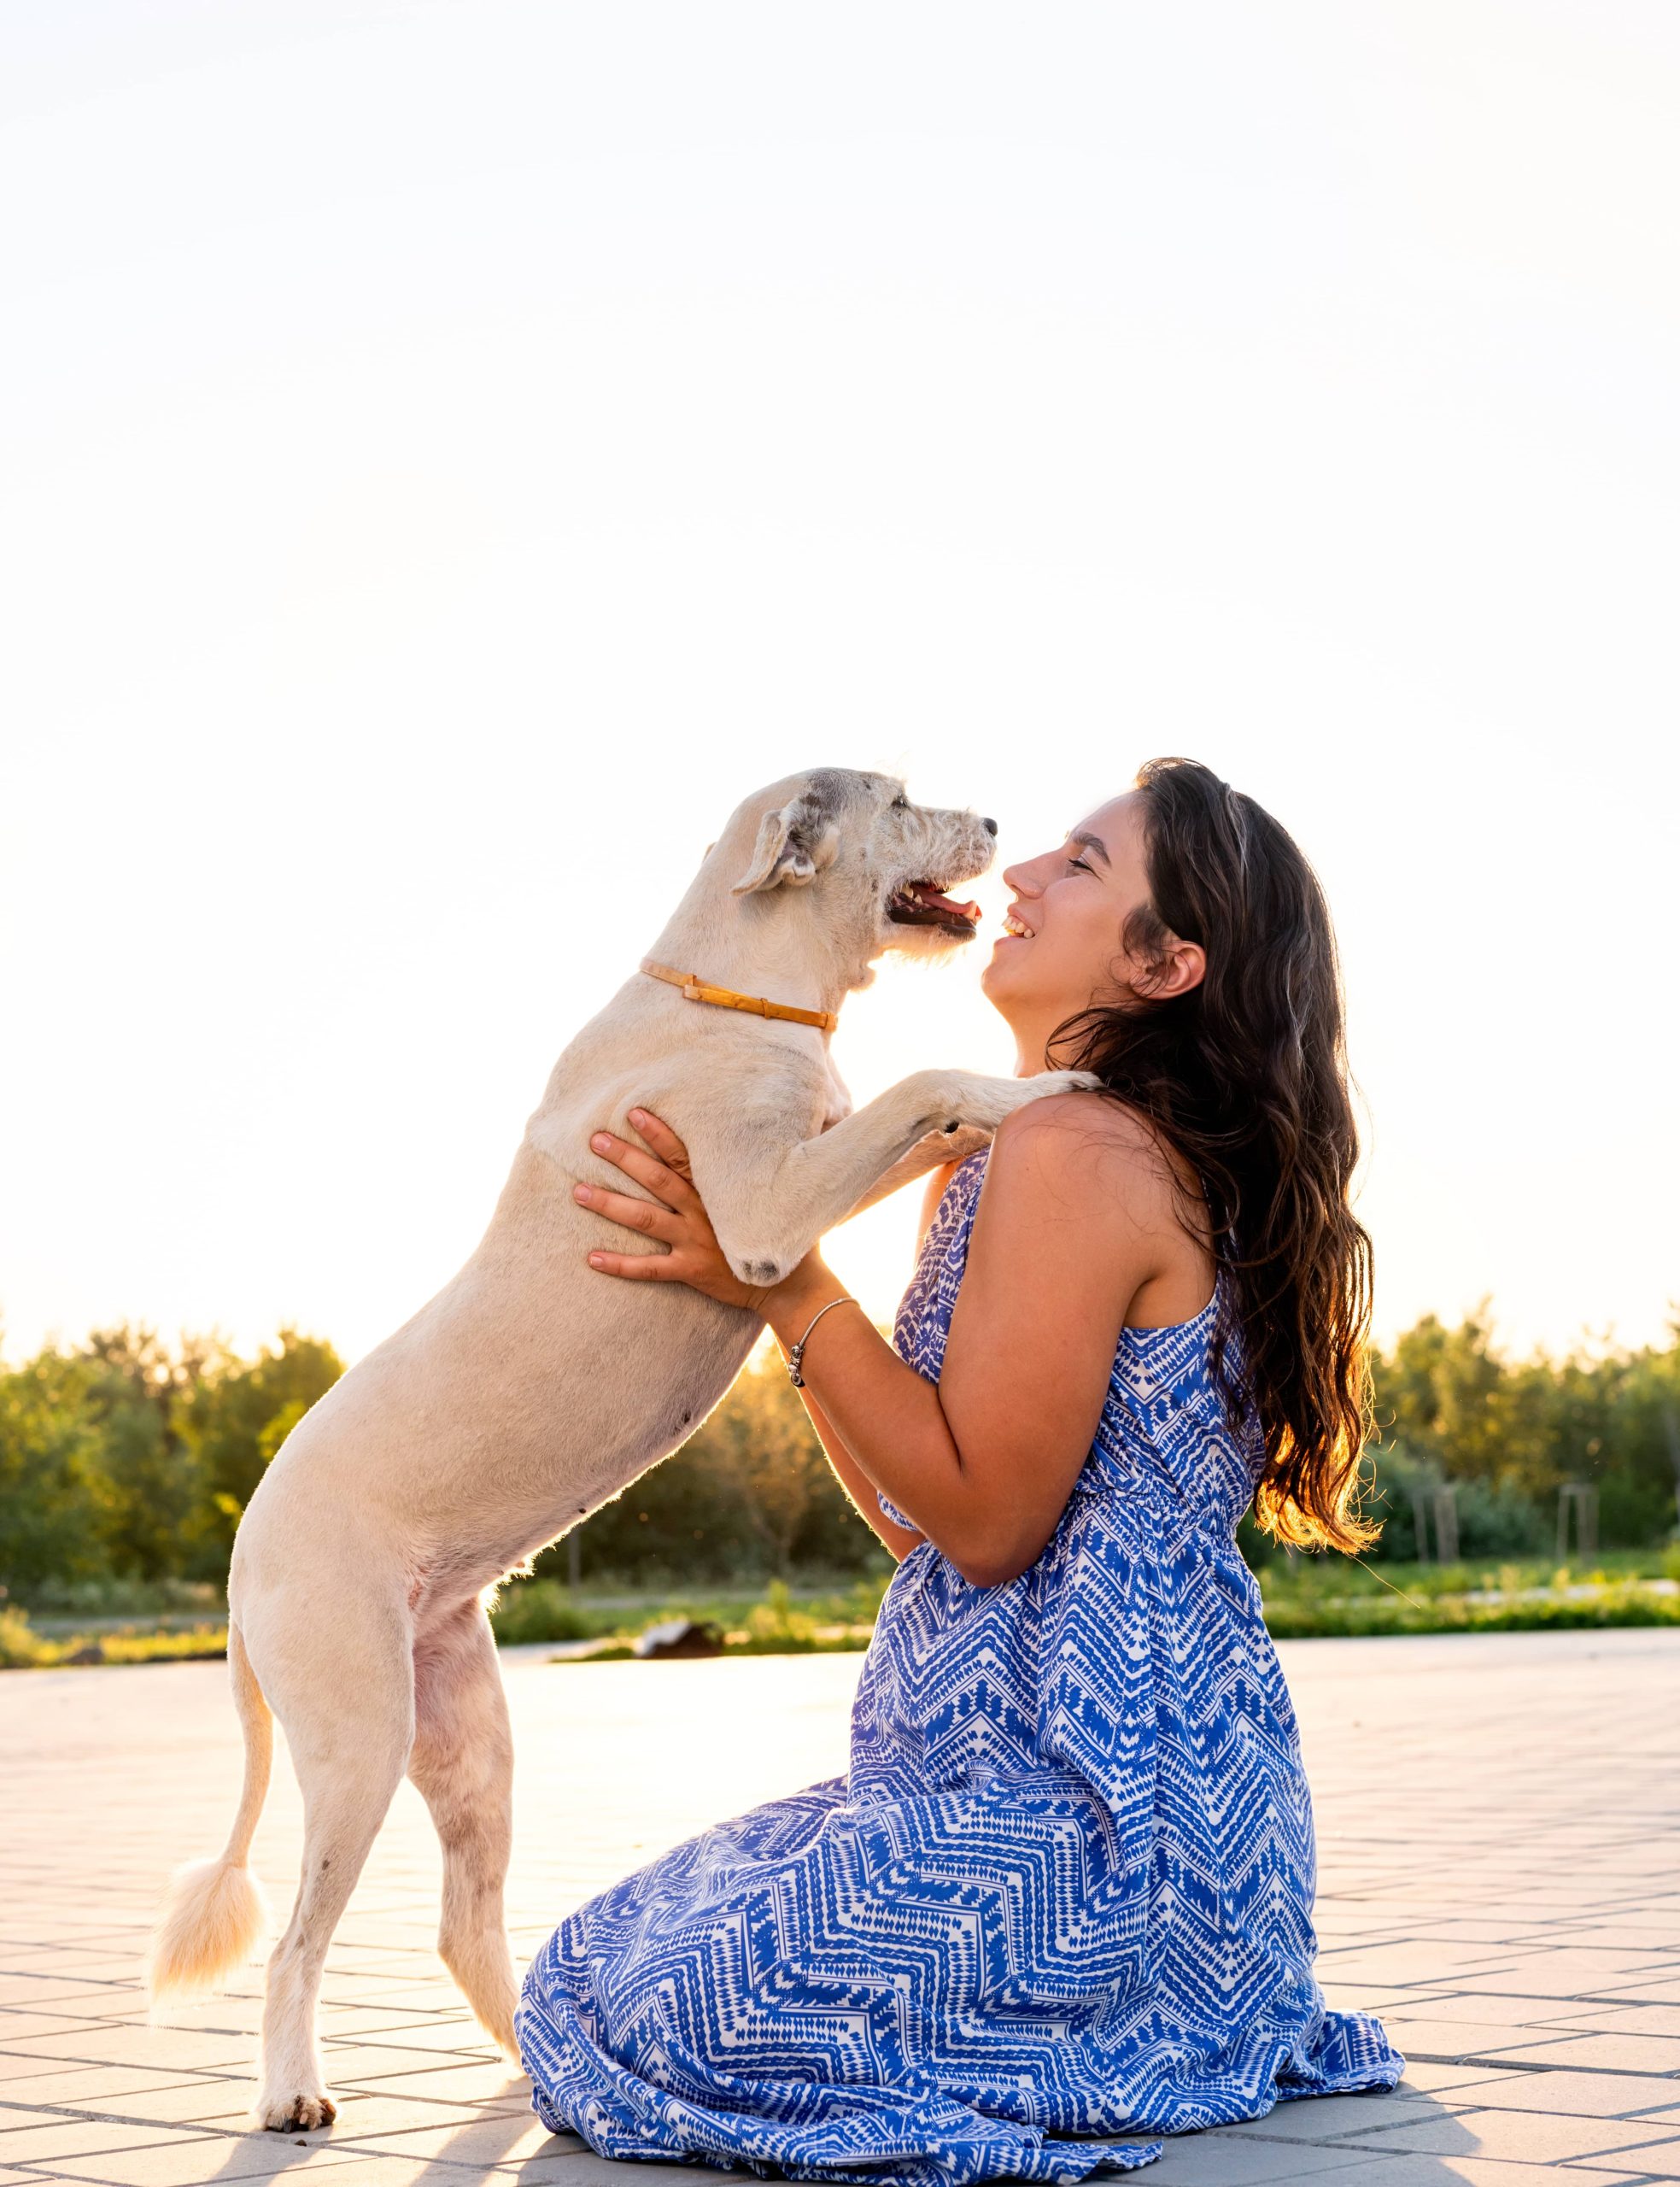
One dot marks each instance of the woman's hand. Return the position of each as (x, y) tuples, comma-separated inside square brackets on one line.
[(675, 1215)]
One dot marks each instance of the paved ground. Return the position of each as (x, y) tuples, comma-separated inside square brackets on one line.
[(1499, 1846)]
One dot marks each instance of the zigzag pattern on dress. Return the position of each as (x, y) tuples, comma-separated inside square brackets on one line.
[(1060, 1905)]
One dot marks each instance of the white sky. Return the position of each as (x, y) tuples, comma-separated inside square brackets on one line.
[(450, 453)]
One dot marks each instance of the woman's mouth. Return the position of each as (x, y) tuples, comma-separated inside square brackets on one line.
[(1013, 929)]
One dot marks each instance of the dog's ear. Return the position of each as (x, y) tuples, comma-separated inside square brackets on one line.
[(793, 845)]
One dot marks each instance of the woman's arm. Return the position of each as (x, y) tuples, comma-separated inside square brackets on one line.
[(898, 1541), (1075, 1218)]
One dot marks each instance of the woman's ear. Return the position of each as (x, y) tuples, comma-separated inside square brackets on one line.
[(1182, 966)]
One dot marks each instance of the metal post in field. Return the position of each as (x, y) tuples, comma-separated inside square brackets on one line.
[(1581, 1498), (1420, 1524)]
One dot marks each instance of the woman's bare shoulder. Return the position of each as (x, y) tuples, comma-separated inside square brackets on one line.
[(1074, 1140)]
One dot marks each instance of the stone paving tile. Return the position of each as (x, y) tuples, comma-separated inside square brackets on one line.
[(1482, 2172), (206, 2158), (1547, 1955), (51, 2136), (364, 2116), (1656, 2162), (1578, 2095), (512, 2139), (1326, 2119), (187, 2101), (83, 2088), (1221, 2160), (1623, 2020), (494, 2087), (1458, 2039), (1567, 1973), (1614, 2054), (1521, 2137), (1500, 2011), (128, 2043), (1640, 1993)]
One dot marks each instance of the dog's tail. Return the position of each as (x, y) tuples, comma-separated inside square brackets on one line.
[(213, 1913)]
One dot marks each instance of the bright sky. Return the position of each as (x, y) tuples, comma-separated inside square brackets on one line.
[(452, 452)]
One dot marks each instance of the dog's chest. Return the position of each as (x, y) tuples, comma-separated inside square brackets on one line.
[(836, 1101)]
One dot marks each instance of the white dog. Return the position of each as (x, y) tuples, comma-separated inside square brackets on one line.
[(531, 1390)]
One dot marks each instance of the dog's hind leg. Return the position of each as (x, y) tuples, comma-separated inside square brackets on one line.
[(347, 1711), (463, 1765)]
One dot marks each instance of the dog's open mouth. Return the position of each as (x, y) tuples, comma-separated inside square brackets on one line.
[(918, 903)]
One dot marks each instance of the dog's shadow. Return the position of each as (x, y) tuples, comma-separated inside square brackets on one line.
[(479, 2145)]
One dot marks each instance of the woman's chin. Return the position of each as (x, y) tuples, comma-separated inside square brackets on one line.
[(1000, 979)]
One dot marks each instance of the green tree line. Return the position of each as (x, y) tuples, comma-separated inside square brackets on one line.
[(126, 1462)]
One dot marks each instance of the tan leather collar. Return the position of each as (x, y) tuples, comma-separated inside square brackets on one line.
[(696, 990)]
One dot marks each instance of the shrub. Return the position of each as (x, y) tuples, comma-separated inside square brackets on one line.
[(540, 1609)]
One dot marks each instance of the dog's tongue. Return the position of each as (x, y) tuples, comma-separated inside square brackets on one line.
[(937, 902)]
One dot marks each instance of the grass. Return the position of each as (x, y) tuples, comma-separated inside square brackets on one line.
[(1305, 1597), (23, 1647), (1333, 1597)]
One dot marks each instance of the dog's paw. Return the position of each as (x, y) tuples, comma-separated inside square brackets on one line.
[(983, 1103), (295, 2113), (1051, 1082)]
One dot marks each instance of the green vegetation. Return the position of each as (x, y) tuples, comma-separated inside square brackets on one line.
[(125, 1466), (1507, 1433), (22, 1647)]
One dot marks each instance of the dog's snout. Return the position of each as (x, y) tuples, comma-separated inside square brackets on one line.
[(990, 826)]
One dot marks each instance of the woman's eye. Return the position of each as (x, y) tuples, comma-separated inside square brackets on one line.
[(1080, 865)]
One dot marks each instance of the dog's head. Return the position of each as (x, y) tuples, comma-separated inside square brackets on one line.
[(876, 868)]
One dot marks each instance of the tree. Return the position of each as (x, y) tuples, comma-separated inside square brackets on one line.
[(240, 1416), (151, 1498), (50, 1479)]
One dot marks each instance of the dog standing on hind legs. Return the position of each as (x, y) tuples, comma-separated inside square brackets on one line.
[(528, 1392)]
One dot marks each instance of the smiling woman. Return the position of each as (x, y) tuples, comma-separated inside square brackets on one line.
[(1061, 1904)]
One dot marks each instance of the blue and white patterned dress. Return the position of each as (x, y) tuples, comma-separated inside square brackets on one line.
[(1064, 1888)]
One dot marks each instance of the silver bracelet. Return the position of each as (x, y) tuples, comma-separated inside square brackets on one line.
[(797, 1352)]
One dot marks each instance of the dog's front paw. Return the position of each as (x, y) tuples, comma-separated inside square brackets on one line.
[(1049, 1082), (297, 2113)]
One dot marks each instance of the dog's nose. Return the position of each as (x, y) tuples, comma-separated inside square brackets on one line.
[(990, 826)]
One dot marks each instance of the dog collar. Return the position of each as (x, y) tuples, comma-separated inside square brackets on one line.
[(696, 990)]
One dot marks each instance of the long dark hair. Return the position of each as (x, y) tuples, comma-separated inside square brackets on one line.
[(1246, 1076)]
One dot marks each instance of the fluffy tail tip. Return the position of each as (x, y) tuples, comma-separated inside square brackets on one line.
[(213, 1917)]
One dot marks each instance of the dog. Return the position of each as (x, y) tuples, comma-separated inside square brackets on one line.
[(530, 1390)]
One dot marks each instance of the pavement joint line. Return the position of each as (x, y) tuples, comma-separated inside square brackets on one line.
[(1509, 2065)]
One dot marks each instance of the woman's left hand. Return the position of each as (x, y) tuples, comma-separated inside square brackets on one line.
[(675, 1216)]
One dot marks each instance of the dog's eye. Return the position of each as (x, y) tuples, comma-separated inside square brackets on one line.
[(901, 804)]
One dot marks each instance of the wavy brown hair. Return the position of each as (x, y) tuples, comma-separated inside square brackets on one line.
[(1246, 1076)]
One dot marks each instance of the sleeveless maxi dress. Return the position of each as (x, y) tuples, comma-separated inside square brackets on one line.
[(1060, 1905)]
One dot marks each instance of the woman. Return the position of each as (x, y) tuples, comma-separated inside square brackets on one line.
[(1065, 1888)]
